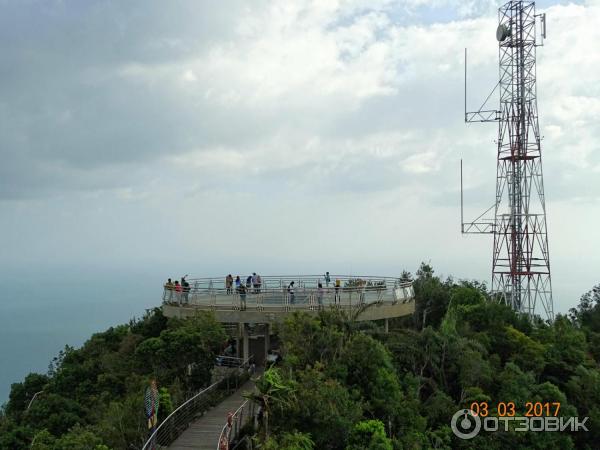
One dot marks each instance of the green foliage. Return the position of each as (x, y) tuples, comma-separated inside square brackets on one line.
[(78, 438), (289, 441), (369, 435), (189, 343), (322, 407), (462, 348), (365, 365), (93, 397), (432, 297), (165, 405), (21, 394), (308, 339), (340, 386)]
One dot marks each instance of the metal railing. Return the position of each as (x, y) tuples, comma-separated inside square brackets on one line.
[(193, 408), (274, 293), (235, 422), (229, 361)]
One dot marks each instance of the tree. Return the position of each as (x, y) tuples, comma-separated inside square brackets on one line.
[(272, 393), (289, 441), (322, 406), (369, 435), (21, 394), (77, 438), (365, 365), (432, 297)]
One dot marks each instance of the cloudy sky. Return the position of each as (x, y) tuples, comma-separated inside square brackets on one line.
[(283, 137)]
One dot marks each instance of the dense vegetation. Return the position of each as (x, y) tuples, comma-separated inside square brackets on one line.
[(342, 384), (343, 387), (93, 397)]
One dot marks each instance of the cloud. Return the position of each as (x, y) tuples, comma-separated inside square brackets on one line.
[(324, 105), (109, 89)]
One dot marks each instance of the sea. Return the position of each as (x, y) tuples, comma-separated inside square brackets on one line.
[(40, 315)]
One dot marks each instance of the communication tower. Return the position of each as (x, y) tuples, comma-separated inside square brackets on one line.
[(520, 257)]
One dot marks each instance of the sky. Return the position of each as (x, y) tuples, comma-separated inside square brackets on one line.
[(208, 138)]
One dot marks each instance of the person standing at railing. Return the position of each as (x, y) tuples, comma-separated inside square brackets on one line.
[(258, 282), (327, 279), (255, 282), (178, 289), (228, 283), (320, 295), (185, 290), (338, 285), (248, 282), (238, 283), (242, 291), (169, 291), (291, 295), (361, 289)]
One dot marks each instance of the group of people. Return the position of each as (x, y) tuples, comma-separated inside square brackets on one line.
[(253, 284), (179, 289), (253, 281)]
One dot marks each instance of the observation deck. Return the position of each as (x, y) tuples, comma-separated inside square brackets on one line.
[(372, 297)]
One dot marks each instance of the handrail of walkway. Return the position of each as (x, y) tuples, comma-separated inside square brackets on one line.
[(234, 423), (273, 292), (300, 281), (180, 419)]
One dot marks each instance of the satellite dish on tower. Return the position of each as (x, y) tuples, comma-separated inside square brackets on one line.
[(502, 32)]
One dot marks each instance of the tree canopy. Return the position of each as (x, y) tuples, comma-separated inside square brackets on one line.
[(341, 385)]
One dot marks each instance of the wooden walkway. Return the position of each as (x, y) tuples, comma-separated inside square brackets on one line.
[(204, 433)]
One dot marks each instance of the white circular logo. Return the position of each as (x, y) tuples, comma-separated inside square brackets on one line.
[(465, 424)]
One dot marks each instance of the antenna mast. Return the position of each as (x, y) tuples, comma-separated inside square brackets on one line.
[(520, 257)]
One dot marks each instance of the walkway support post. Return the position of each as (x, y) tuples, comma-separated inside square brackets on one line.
[(246, 342), (267, 340)]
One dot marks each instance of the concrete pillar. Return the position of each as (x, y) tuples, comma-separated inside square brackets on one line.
[(387, 326), (267, 339), (246, 342)]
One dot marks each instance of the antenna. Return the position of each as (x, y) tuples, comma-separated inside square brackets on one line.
[(462, 220), (465, 92), (543, 23)]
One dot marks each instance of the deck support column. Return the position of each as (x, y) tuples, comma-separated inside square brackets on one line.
[(267, 340), (246, 342), (387, 326)]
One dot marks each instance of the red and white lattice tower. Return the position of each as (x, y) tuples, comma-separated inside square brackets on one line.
[(520, 259)]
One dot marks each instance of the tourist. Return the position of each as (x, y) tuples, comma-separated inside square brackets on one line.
[(255, 282), (242, 291), (185, 289), (258, 282), (320, 295), (291, 295), (178, 289), (338, 284), (228, 283), (169, 291), (248, 282), (238, 283), (361, 286), (327, 279)]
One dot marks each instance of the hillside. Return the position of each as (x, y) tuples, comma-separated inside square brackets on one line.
[(341, 384)]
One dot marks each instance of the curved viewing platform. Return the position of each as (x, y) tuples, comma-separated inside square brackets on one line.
[(377, 297)]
